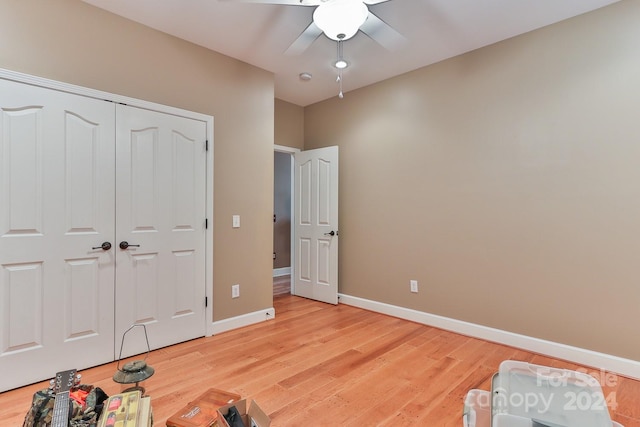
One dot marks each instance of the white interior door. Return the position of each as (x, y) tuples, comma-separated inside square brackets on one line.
[(56, 209), (316, 225), (160, 181)]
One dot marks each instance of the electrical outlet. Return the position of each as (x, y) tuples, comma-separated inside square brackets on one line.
[(235, 291), (414, 286)]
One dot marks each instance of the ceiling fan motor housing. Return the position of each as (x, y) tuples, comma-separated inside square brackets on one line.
[(340, 19)]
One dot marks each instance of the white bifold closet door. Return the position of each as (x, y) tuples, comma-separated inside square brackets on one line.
[(79, 176)]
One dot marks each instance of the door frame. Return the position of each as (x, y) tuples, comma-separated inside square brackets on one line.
[(291, 151), (106, 96)]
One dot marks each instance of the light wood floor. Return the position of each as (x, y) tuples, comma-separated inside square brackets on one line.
[(323, 365)]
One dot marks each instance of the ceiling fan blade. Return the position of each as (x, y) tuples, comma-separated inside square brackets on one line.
[(284, 2), (304, 40), (370, 2), (382, 33)]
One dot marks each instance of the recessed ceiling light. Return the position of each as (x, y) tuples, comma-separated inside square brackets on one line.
[(305, 76), (341, 64)]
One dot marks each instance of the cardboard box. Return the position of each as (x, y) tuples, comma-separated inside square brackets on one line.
[(253, 417), (203, 411)]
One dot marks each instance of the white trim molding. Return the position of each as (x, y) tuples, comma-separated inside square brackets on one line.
[(285, 149), (236, 322), (284, 271), (589, 358)]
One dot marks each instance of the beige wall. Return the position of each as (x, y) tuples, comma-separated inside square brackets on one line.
[(70, 41), (289, 124), (506, 181)]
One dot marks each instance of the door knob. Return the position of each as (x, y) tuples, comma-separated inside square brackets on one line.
[(331, 233), (104, 246), (124, 245)]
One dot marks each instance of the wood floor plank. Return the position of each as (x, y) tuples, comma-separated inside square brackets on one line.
[(627, 397), (470, 376), (322, 365)]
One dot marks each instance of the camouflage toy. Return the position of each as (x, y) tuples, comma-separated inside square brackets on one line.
[(42, 403)]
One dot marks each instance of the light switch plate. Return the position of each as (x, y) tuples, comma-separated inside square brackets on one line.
[(414, 285), (236, 221)]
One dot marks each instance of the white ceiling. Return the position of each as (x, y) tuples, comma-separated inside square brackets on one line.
[(260, 33)]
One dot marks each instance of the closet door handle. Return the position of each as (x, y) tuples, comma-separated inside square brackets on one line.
[(104, 246), (331, 233), (124, 245)]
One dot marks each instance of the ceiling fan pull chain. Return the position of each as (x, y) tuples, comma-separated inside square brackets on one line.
[(340, 68)]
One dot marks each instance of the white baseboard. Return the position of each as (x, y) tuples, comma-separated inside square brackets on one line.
[(277, 272), (224, 325), (626, 367)]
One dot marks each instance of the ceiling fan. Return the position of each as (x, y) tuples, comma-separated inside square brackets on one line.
[(340, 20)]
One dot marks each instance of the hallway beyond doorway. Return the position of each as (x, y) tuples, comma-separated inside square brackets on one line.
[(282, 285)]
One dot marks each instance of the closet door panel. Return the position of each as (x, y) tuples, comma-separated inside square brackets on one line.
[(143, 188), (21, 172)]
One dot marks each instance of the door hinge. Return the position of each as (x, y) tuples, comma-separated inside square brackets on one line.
[(206, 145), (206, 302), (206, 223)]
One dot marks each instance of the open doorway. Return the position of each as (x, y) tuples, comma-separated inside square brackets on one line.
[(313, 239), (282, 219)]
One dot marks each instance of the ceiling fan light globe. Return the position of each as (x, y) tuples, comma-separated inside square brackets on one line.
[(340, 19)]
